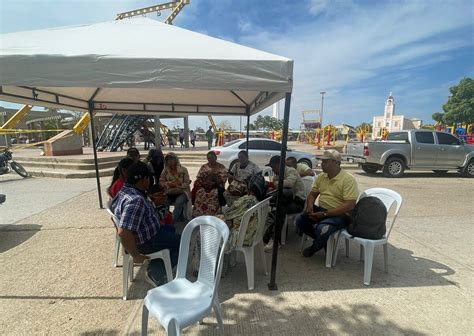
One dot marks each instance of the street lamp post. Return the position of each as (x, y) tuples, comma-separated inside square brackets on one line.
[(322, 107)]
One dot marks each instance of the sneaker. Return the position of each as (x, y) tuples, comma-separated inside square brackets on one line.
[(269, 247)]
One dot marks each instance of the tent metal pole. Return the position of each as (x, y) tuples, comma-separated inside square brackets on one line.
[(248, 131), (94, 148), (280, 217)]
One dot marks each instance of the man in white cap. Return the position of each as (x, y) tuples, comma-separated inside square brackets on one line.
[(338, 192)]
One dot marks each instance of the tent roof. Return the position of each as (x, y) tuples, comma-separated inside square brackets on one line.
[(140, 66)]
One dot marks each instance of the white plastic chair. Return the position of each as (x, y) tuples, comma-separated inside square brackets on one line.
[(180, 302), (267, 172), (128, 260), (260, 210), (367, 246), (117, 238), (308, 182)]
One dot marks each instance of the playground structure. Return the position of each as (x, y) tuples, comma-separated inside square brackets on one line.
[(311, 130), (464, 132), (362, 133)]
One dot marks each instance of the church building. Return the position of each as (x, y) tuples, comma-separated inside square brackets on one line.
[(390, 122)]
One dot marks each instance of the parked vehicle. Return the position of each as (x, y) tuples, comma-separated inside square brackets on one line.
[(7, 164), (416, 150), (260, 152)]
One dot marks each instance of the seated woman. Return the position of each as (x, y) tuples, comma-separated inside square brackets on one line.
[(156, 162), (212, 166), (175, 180), (239, 176), (257, 190), (207, 196), (119, 177)]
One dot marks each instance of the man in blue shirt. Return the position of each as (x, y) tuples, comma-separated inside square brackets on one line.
[(139, 224)]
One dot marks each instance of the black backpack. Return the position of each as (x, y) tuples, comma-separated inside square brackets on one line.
[(368, 219)]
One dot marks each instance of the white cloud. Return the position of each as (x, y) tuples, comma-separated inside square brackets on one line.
[(318, 6), (363, 45)]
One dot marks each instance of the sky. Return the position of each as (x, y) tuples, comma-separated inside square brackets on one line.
[(356, 51)]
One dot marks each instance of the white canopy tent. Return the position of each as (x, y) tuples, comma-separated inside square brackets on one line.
[(142, 66)]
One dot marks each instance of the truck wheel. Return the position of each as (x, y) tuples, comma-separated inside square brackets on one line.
[(394, 167), (440, 172), (369, 169), (469, 169)]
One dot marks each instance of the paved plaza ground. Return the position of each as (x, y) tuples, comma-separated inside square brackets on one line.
[(57, 276)]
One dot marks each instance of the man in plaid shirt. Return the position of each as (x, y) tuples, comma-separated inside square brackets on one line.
[(139, 224)]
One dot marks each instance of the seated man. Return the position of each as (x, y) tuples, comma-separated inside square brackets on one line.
[(302, 168), (239, 175), (139, 224), (337, 191), (293, 194)]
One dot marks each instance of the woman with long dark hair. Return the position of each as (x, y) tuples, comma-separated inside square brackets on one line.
[(119, 177), (156, 163)]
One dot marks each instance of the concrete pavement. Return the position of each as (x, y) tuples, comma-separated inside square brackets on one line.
[(57, 276)]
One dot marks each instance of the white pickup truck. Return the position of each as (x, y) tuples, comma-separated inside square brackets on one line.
[(416, 150)]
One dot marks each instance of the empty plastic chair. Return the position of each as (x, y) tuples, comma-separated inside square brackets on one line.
[(181, 302), (260, 210)]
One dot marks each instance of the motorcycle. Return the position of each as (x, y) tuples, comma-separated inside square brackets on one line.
[(7, 163)]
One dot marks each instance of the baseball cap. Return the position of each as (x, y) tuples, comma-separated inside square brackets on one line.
[(274, 160), (330, 154)]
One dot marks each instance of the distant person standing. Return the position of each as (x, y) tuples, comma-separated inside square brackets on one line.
[(209, 136), (169, 135), (192, 138), (181, 137)]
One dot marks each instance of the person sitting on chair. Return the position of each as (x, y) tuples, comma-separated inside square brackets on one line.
[(139, 224), (337, 191), (302, 168), (239, 176), (293, 195)]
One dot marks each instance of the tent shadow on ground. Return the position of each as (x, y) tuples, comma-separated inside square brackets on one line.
[(16, 234), (264, 318), (405, 270), (413, 174), (311, 274)]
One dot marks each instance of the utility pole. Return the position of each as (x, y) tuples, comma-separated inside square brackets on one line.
[(322, 107)]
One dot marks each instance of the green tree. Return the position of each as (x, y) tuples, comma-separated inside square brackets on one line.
[(438, 117), (267, 123), (199, 130), (460, 105)]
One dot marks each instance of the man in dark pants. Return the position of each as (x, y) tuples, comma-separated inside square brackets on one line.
[(337, 191), (139, 224), (293, 196)]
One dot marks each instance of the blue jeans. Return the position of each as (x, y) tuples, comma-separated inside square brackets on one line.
[(320, 231), (164, 239), (179, 202)]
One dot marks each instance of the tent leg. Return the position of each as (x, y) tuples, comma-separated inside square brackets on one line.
[(96, 164), (248, 132), (280, 216)]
